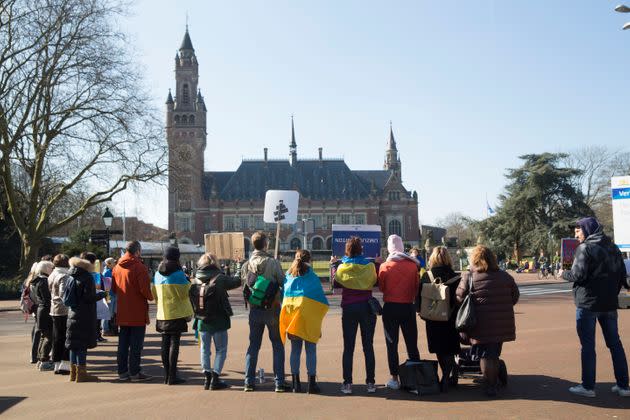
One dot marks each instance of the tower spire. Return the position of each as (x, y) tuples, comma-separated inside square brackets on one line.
[(392, 162), (392, 142), (293, 145)]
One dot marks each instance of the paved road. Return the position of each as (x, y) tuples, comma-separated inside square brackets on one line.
[(544, 290)]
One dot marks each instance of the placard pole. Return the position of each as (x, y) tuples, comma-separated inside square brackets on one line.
[(277, 240)]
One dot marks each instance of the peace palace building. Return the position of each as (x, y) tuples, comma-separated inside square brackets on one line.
[(203, 201)]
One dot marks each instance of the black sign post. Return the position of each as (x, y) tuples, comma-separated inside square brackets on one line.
[(278, 216)]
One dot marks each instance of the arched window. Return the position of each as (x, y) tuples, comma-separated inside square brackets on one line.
[(186, 94), (184, 119), (395, 228), (318, 243), (296, 243), (191, 119), (329, 243), (176, 119)]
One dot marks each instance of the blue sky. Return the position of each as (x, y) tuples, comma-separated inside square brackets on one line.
[(469, 86)]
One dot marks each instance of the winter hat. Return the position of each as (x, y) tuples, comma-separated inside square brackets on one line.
[(395, 244), (589, 225), (171, 253)]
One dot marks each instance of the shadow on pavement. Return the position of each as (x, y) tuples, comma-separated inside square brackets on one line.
[(8, 402)]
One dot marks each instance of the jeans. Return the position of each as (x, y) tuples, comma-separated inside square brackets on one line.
[(45, 345), (35, 337), (400, 316), (220, 339), (586, 321), (78, 356), (354, 316), (130, 342), (258, 320), (59, 350), (170, 353), (311, 357)]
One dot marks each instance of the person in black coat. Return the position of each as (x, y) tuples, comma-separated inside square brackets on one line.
[(41, 293), (81, 329), (442, 337)]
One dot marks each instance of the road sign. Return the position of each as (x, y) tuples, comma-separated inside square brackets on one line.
[(370, 238), (281, 206), (620, 186), (104, 232)]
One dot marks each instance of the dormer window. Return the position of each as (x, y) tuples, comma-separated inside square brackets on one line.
[(394, 195)]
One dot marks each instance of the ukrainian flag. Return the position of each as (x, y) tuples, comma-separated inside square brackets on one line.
[(303, 307), (171, 296), (357, 273)]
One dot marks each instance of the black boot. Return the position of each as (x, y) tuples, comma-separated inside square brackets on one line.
[(216, 383), (313, 388), (206, 383), (296, 386)]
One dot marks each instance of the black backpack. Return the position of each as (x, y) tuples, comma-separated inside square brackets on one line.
[(208, 301)]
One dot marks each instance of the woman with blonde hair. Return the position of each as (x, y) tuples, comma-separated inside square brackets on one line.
[(442, 337), (209, 297), (35, 334), (303, 309), (494, 294)]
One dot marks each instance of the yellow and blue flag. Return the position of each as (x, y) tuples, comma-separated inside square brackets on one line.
[(357, 273), (171, 295), (303, 307)]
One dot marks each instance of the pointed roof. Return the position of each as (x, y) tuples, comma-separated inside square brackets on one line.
[(186, 43), (169, 98), (293, 143), (392, 142)]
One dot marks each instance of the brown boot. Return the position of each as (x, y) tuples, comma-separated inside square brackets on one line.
[(73, 373), (83, 376)]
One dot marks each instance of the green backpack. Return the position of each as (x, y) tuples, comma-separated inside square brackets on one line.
[(262, 293)]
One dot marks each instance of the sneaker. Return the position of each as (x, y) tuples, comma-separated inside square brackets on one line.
[(101, 339), (282, 388), (38, 365), (124, 377), (392, 384), (581, 391), (46, 366), (622, 392), (346, 389), (140, 377), (248, 388), (371, 388)]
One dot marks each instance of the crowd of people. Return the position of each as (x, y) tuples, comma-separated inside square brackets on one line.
[(65, 293)]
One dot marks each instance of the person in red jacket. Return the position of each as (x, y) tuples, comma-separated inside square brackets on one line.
[(398, 280), (132, 285)]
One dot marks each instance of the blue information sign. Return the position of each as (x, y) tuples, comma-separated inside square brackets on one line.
[(370, 238)]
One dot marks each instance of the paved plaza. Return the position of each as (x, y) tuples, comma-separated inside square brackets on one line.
[(543, 363)]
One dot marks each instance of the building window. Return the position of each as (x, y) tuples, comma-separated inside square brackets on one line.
[(296, 243), (228, 223), (186, 94), (176, 119), (331, 219), (207, 223), (395, 228), (184, 119), (317, 221), (191, 119), (329, 243), (259, 222), (359, 219), (244, 223), (184, 223), (394, 195), (318, 243), (346, 219)]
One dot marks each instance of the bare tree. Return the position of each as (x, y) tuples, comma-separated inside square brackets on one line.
[(459, 226), (76, 127)]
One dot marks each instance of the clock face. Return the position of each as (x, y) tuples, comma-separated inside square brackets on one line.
[(184, 152)]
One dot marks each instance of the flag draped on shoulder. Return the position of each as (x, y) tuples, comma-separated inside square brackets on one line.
[(303, 307), (171, 295), (357, 273)]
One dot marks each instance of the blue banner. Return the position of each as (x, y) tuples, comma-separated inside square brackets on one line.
[(621, 193), (370, 238)]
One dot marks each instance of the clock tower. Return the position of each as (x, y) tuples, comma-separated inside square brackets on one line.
[(186, 138)]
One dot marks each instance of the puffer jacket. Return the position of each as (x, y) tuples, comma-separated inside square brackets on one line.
[(494, 295), (261, 263), (56, 284), (81, 325), (597, 274), (39, 289), (170, 289)]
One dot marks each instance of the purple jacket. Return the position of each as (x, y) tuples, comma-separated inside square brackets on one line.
[(351, 296)]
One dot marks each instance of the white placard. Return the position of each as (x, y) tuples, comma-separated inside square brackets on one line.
[(289, 199), (620, 186)]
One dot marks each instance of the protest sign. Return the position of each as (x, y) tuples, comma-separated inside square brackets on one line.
[(226, 246), (620, 186), (281, 206), (567, 251), (370, 238)]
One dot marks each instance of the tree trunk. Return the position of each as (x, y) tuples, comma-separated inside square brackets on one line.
[(517, 253), (30, 251)]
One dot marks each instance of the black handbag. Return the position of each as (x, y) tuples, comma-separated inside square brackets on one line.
[(466, 317), (419, 377)]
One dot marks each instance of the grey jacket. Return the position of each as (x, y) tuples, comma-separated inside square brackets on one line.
[(261, 263), (56, 284)]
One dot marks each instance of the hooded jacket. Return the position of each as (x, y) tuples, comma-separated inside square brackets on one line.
[(213, 277), (263, 264), (170, 289), (81, 326), (597, 274), (132, 285), (39, 289), (56, 284)]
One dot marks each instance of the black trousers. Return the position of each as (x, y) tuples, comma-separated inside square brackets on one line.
[(170, 353), (35, 337), (59, 350), (400, 316), (45, 344)]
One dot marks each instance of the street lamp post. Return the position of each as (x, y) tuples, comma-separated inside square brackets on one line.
[(108, 218), (173, 240), (622, 8)]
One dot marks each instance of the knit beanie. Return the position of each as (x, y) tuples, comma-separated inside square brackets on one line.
[(395, 244), (171, 253)]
